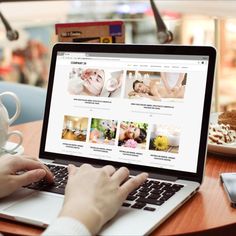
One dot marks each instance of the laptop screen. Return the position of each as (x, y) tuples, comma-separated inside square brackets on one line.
[(142, 109)]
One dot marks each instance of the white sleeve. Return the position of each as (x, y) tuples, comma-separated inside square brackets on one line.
[(66, 226)]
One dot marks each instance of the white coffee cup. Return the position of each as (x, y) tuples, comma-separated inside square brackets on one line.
[(6, 121)]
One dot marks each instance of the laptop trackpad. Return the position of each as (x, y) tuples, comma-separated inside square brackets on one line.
[(40, 208)]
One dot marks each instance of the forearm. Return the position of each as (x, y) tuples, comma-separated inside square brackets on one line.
[(165, 83), (88, 215), (180, 80), (66, 226)]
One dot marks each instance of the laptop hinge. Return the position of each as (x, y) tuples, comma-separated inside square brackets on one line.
[(156, 176), (65, 162), (76, 163)]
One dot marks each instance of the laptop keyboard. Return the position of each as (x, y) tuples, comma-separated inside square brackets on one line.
[(153, 193), (148, 196), (60, 179)]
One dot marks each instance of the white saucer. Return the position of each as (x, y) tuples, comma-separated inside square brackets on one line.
[(10, 145)]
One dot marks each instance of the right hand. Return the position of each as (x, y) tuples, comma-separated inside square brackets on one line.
[(94, 195)]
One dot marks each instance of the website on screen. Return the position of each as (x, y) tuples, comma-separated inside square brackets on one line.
[(131, 108)]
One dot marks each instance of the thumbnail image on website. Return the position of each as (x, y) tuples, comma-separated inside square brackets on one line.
[(95, 82), (75, 128), (165, 138), (156, 86), (103, 131), (133, 134)]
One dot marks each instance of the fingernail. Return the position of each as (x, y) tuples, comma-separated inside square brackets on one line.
[(146, 174), (69, 167), (40, 173)]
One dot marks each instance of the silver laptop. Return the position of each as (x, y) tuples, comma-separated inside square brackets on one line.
[(145, 107)]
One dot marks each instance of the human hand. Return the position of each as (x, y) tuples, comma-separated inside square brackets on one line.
[(132, 93), (119, 80), (144, 95), (123, 125), (10, 180), (94, 195), (175, 89)]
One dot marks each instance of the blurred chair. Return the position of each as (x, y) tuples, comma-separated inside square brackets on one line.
[(32, 101)]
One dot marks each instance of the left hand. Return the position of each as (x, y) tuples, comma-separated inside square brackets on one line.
[(33, 171)]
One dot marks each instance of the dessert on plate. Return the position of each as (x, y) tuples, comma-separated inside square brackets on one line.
[(225, 131), (228, 118)]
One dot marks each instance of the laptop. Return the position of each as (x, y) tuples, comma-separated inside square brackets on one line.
[(145, 107)]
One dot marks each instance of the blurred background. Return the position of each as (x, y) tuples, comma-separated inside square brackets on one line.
[(27, 59)]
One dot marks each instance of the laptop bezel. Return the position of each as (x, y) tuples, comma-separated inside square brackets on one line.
[(137, 49)]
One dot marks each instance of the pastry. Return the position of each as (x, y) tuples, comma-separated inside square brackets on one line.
[(221, 134), (228, 118)]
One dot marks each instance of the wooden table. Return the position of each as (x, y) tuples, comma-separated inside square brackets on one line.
[(207, 213)]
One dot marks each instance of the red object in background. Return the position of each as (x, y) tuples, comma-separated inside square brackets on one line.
[(4, 70), (92, 32), (27, 65), (168, 14), (18, 60)]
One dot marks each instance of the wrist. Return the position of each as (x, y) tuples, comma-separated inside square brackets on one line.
[(89, 216)]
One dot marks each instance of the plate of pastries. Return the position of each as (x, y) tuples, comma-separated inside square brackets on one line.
[(222, 133)]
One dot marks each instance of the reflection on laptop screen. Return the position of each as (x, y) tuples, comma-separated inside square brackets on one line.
[(130, 108)]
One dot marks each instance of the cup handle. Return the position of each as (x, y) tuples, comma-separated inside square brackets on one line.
[(17, 133), (18, 106)]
